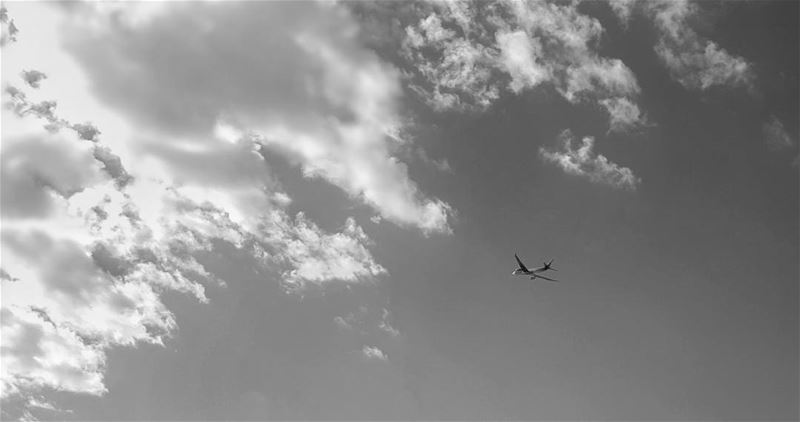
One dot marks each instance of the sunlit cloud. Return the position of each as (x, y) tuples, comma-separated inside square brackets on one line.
[(99, 220), (310, 94), (466, 64)]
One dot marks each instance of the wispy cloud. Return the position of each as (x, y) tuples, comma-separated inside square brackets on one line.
[(584, 162), (33, 77), (775, 134), (695, 62)]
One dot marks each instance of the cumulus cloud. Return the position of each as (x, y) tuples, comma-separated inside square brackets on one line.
[(695, 62), (309, 92), (775, 134), (93, 257), (623, 114), (92, 237), (73, 298), (518, 55), (5, 276), (583, 162), (316, 257), (462, 63)]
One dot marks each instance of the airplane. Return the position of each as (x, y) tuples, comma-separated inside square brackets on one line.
[(534, 274)]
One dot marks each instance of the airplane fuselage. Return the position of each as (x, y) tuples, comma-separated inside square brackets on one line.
[(520, 271)]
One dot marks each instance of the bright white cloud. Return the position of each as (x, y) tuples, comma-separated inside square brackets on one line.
[(309, 92), (464, 64), (99, 220), (317, 257), (583, 162), (518, 55), (33, 77)]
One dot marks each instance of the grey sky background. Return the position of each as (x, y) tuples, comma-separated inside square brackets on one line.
[(678, 297)]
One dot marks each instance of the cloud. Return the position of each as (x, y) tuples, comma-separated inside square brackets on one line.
[(310, 92), (92, 267), (775, 134), (38, 170), (79, 312), (33, 77), (374, 353), (367, 322), (96, 229), (385, 326), (459, 63), (8, 30), (35, 353), (354, 320), (584, 163), (5, 276), (460, 72), (695, 62), (623, 9), (624, 115), (518, 56), (317, 257), (86, 131)]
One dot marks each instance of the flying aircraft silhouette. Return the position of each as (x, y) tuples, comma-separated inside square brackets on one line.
[(534, 273)]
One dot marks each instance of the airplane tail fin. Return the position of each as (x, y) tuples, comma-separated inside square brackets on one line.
[(548, 266)]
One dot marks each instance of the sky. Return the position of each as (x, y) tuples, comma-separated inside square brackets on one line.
[(310, 210)]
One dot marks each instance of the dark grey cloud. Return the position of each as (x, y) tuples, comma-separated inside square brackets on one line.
[(33, 77)]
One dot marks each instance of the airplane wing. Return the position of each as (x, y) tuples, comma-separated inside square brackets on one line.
[(521, 265), (548, 279)]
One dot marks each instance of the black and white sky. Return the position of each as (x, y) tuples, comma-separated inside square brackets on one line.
[(268, 210)]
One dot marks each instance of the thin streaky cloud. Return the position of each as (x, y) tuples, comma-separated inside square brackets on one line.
[(584, 162), (775, 135)]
